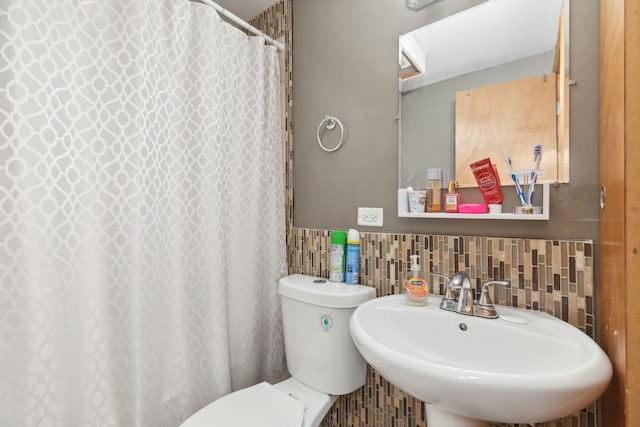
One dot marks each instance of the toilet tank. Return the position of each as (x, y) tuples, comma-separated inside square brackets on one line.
[(318, 345)]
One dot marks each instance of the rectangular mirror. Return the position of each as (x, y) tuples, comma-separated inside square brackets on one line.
[(489, 79)]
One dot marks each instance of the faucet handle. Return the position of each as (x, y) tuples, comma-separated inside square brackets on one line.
[(485, 298), (442, 276), (445, 277), (454, 284)]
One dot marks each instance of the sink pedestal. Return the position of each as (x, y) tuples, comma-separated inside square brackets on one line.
[(438, 417)]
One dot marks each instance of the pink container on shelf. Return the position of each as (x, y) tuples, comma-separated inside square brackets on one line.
[(473, 208)]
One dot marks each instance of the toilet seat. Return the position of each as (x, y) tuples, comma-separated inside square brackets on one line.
[(260, 405)]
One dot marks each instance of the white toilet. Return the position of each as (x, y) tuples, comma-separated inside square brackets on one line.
[(321, 358)]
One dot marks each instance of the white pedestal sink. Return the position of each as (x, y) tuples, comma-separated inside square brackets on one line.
[(524, 367)]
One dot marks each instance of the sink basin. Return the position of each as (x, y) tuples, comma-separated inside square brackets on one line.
[(524, 367)]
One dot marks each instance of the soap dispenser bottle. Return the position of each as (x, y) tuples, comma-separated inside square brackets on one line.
[(415, 286)]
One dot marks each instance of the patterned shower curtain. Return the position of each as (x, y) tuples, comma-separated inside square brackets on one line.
[(141, 212)]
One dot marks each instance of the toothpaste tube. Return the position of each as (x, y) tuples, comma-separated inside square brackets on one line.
[(488, 181)]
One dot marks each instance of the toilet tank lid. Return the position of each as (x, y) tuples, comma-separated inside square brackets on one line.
[(322, 292)]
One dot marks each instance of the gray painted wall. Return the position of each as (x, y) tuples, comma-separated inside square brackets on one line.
[(345, 64)]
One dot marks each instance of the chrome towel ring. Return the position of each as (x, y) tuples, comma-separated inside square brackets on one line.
[(329, 123)]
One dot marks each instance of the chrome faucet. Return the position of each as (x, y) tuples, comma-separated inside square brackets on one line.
[(452, 291), (453, 284), (465, 298), (458, 296)]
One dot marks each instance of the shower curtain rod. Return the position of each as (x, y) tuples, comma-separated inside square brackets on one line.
[(241, 22)]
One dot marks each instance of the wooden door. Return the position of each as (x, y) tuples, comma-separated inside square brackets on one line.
[(619, 220)]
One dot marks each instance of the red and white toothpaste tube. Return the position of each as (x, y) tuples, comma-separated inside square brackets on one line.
[(488, 181)]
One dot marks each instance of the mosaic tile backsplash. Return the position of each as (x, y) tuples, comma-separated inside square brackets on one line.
[(555, 276)]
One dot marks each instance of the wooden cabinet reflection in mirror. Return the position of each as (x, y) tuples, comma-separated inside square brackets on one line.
[(515, 116), (512, 117)]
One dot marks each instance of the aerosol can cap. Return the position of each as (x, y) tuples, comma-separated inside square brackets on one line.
[(353, 237)]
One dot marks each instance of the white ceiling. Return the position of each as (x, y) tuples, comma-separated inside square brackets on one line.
[(246, 9), (490, 34)]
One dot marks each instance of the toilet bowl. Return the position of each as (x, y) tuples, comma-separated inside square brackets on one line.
[(321, 357)]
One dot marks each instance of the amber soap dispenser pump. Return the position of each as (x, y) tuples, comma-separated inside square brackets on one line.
[(451, 199)]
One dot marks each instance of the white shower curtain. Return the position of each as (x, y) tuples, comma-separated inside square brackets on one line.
[(141, 212)]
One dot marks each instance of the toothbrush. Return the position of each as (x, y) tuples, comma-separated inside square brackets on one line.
[(537, 156), (514, 177)]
